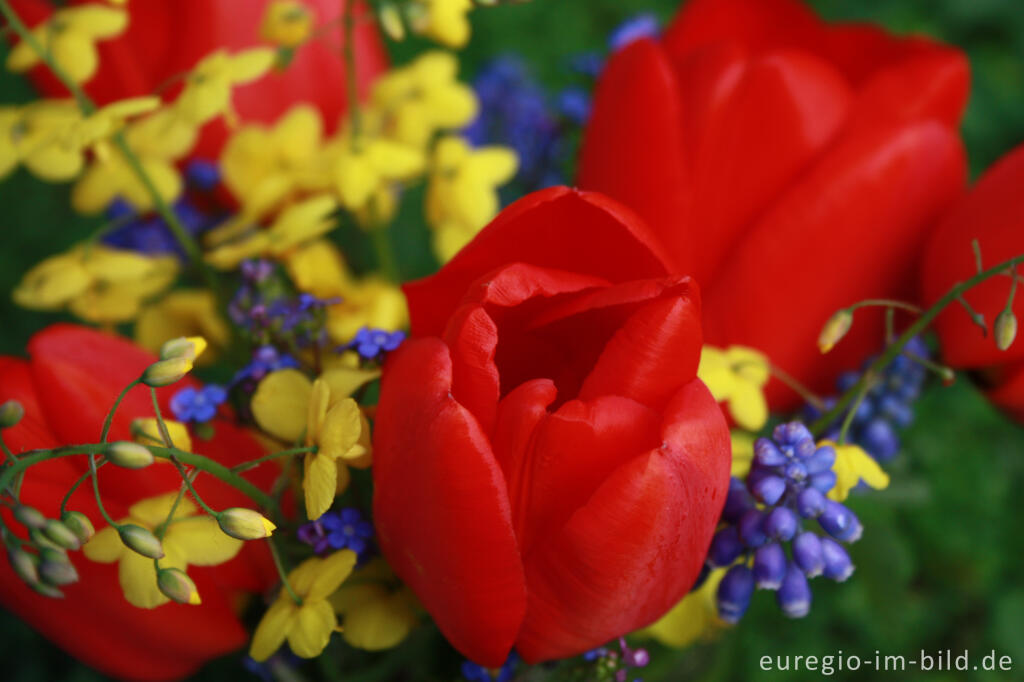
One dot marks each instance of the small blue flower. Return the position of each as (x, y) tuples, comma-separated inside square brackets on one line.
[(265, 360), (190, 405), (202, 174), (645, 25), (372, 343), (473, 672), (574, 104), (346, 529)]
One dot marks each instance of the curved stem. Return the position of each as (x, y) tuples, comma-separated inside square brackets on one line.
[(253, 463), (913, 330), (188, 484), (96, 492), (76, 485), (117, 403), (279, 565), (887, 303)]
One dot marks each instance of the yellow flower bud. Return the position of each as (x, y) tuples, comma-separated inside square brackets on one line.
[(245, 524), (834, 330), (391, 21), (79, 524), (177, 586), (40, 540), (129, 455), (61, 535), (185, 346), (1005, 329), (286, 23), (25, 565), (30, 517), (11, 413), (166, 372), (140, 540), (55, 568)]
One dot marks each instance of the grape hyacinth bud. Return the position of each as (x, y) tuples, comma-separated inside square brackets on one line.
[(838, 566), (734, 593), (808, 554), (794, 596), (769, 566), (726, 547), (780, 524), (839, 522)]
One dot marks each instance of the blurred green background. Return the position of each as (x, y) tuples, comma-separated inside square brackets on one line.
[(939, 566)]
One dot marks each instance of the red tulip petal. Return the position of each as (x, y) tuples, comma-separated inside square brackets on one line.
[(518, 415), (472, 337), (992, 213), (757, 25), (777, 118), (441, 508), (619, 247), (636, 547), (653, 353), (633, 147), (569, 455), (844, 233)]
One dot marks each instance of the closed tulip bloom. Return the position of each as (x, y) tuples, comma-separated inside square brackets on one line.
[(792, 167), (548, 468)]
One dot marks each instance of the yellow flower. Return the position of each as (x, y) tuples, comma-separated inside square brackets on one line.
[(377, 614), (366, 164), (158, 140), (319, 269), (306, 626), (96, 283), (462, 194), (70, 36), (736, 376), (852, 466), (693, 618), (265, 167), (208, 87), (286, 23), (298, 224), (182, 312), (414, 102), (189, 540), (287, 405), (742, 452), (146, 431), (442, 20)]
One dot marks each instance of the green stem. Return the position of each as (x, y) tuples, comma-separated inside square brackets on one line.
[(117, 403), (253, 463), (96, 492), (887, 303), (279, 565), (161, 530), (852, 412), (919, 325), (7, 451), (160, 424), (382, 249), (215, 469), (76, 485), (794, 384), (351, 82), (191, 489)]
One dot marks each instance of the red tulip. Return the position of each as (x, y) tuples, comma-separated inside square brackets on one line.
[(790, 166), (993, 213), (165, 38), (66, 388), (548, 469)]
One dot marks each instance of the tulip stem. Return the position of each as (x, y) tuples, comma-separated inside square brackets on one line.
[(279, 565), (117, 403), (88, 107), (919, 325)]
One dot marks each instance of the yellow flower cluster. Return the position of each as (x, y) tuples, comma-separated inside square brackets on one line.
[(96, 283)]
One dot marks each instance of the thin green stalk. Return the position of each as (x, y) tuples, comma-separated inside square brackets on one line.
[(161, 530), (887, 303), (279, 565), (160, 424), (76, 485), (253, 463), (185, 479), (214, 468), (851, 413), (796, 386), (919, 325), (382, 249), (96, 492), (6, 450), (351, 77), (117, 403)]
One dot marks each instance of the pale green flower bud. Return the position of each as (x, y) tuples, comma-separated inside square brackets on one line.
[(129, 455), (61, 535), (25, 564), (138, 539), (166, 372), (177, 586), (245, 524), (47, 590), (1005, 329), (834, 330), (79, 524), (30, 517), (11, 413), (39, 539), (55, 568)]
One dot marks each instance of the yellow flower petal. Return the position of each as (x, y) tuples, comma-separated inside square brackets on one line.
[(248, 65), (374, 619), (311, 629), (693, 618), (341, 430), (852, 466), (148, 433), (137, 576), (319, 484), (280, 404), (105, 547), (153, 511), (742, 452), (330, 573), (748, 406), (273, 629), (201, 542), (343, 381)]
